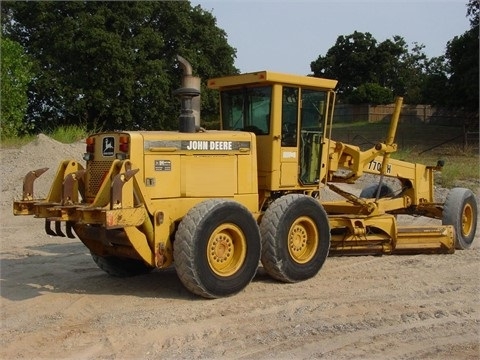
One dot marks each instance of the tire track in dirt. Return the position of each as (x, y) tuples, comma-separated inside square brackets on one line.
[(312, 332), (290, 322), (343, 312)]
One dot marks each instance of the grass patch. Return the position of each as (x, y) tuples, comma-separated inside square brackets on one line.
[(64, 134), (461, 169), (356, 124), (69, 134), (424, 144), (16, 141)]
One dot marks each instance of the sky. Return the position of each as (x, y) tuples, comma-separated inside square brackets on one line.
[(287, 35)]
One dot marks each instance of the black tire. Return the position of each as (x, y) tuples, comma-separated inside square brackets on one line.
[(295, 238), (460, 210), (217, 248), (371, 191), (121, 267)]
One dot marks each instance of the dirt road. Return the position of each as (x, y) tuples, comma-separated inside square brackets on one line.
[(56, 303)]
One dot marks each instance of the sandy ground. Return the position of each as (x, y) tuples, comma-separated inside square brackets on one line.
[(56, 303)]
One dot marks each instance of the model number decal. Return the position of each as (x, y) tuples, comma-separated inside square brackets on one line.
[(163, 165), (289, 154), (377, 165)]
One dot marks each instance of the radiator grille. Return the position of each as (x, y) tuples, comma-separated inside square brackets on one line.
[(96, 172)]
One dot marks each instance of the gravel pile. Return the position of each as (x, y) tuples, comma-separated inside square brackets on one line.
[(40, 153)]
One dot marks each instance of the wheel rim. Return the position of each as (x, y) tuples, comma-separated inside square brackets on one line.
[(226, 249), (302, 240), (467, 220)]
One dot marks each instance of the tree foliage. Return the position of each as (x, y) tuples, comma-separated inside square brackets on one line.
[(16, 74), (462, 58), (368, 70), (473, 10), (371, 93), (112, 65), (359, 59), (349, 61)]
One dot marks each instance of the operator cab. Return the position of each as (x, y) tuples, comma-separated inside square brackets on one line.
[(288, 115)]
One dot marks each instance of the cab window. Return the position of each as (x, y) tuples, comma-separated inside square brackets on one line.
[(312, 118), (313, 109), (289, 116), (247, 109)]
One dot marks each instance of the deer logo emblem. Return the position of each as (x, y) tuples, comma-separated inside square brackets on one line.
[(108, 148)]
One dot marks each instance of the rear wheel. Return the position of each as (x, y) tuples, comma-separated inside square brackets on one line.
[(460, 210), (217, 248), (295, 238), (121, 267)]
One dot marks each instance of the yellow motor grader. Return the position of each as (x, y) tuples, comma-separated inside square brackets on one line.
[(214, 203)]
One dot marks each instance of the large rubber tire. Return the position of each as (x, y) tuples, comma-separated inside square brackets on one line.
[(217, 248), (295, 238), (371, 191), (121, 267), (460, 210)]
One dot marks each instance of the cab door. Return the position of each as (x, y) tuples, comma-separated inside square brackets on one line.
[(289, 154), (303, 117), (312, 118)]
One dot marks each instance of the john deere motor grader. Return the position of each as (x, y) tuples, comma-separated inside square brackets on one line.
[(215, 203)]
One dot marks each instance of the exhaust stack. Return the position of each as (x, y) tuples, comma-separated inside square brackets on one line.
[(189, 94)]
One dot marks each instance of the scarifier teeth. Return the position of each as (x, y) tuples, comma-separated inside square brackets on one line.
[(48, 229), (58, 229), (69, 228)]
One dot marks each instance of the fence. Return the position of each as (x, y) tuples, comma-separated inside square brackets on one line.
[(459, 127), (409, 114)]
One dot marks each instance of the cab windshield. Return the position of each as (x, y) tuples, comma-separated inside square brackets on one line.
[(247, 109)]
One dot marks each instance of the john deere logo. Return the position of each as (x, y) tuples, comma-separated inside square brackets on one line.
[(108, 147)]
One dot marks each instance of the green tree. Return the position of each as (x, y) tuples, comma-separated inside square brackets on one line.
[(386, 61), (16, 74), (473, 10), (434, 85), (112, 65), (371, 93), (413, 68), (462, 59), (349, 61), (359, 59)]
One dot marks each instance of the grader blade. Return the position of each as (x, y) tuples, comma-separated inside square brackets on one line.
[(425, 240), (357, 235)]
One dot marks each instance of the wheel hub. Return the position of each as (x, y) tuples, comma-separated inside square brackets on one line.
[(222, 248), (467, 220), (303, 240), (298, 239), (226, 250)]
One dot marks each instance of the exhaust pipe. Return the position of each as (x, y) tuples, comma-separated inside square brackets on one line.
[(189, 94)]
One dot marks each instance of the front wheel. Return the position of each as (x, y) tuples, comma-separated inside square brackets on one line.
[(217, 248), (295, 238), (460, 210)]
